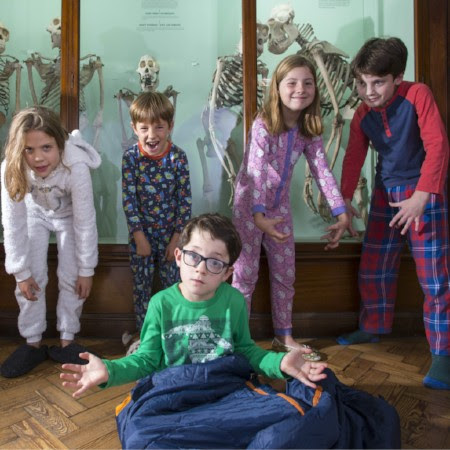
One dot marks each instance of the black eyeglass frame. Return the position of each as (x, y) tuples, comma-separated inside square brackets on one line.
[(202, 258)]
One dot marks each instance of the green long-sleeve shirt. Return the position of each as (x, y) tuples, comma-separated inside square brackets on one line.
[(177, 331)]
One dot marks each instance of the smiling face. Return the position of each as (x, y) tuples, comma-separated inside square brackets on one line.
[(297, 92), (41, 153), (376, 91), (197, 283), (153, 137)]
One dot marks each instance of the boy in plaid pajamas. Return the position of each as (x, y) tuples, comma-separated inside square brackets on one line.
[(402, 122)]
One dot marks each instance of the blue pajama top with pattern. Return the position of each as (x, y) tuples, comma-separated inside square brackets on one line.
[(156, 192)]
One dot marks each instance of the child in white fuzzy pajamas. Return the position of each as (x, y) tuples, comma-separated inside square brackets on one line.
[(288, 125), (46, 187)]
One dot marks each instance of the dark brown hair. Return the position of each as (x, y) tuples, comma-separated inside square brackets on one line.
[(219, 227), (380, 57)]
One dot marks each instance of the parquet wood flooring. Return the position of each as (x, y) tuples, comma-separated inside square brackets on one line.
[(36, 412)]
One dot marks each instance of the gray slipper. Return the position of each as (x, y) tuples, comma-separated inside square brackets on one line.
[(22, 360)]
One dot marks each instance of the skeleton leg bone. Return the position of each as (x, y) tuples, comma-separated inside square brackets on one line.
[(207, 186), (221, 153)]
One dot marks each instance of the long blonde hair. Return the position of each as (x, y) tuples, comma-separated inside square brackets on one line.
[(309, 121), (36, 118)]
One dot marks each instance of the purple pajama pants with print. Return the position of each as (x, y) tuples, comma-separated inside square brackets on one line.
[(281, 260)]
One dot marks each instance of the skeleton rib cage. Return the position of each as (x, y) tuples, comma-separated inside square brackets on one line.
[(230, 91), (7, 64)]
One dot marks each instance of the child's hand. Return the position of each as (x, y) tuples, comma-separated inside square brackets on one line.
[(83, 287), (170, 249), (336, 231), (305, 371), (410, 211), (143, 247), (84, 376), (28, 288), (267, 226)]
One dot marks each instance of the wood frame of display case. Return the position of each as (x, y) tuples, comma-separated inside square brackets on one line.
[(326, 294)]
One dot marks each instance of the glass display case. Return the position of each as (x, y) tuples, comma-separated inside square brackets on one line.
[(189, 50), (29, 58), (170, 47), (336, 29)]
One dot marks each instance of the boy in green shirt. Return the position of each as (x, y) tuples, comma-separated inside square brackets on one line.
[(197, 320)]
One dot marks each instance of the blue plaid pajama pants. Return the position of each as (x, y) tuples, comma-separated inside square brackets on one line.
[(380, 262)]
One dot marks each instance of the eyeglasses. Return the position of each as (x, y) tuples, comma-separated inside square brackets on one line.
[(213, 265)]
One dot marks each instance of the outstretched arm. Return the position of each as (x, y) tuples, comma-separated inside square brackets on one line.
[(86, 376), (305, 371), (336, 231)]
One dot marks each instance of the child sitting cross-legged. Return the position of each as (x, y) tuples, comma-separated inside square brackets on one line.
[(196, 369), (208, 247)]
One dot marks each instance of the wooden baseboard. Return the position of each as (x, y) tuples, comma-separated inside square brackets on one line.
[(326, 301), (305, 325)]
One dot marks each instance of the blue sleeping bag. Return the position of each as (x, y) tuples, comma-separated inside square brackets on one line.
[(219, 404)]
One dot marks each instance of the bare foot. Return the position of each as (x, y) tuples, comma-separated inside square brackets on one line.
[(289, 341)]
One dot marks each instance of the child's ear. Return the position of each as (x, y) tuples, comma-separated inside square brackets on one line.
[(178, 255), (398, 79), (133, 127), (171, 126), (228, 273)]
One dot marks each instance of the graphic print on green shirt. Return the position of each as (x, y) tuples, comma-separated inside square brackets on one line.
[(200, 339)]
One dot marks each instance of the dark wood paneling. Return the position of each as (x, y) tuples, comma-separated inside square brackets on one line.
[(326, 295), (249, 62), (70, 66)]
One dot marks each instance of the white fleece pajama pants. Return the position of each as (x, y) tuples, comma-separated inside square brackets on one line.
[(32, 317)]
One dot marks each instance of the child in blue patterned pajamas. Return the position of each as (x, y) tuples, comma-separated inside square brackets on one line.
[(156, 196)]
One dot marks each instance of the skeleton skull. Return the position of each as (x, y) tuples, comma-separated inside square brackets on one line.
[(4, 37), (262, 33), (148, 70), (55, 30), (282, 30)]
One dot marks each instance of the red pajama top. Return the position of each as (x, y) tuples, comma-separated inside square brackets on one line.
[(410, 139)]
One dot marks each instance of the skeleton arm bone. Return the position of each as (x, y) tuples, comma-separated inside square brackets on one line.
[(317, 55), (98, 121), (30, 64), (226, 163), (43, 69), (126, 97), (18, 69)]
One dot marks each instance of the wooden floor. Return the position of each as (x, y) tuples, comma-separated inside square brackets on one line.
[(37, 412)]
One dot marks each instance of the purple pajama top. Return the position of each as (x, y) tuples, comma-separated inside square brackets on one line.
[(264, 179)]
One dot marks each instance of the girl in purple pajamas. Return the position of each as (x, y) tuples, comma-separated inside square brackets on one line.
[(288, 125)]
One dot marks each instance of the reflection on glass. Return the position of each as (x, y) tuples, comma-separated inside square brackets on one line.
[(330, 32), (171, 47), (23, 36), (48, 70)]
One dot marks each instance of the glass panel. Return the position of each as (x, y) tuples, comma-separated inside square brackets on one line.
[(184, 38), (346, 25), (25, 36)]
